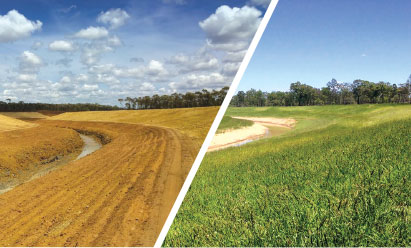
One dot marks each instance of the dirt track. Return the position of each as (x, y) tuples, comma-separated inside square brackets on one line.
[(118, 196)]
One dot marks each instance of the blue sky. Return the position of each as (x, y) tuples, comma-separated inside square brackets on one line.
[(315, 41), (99, 51)]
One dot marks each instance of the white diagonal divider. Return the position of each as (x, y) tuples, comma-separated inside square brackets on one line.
[(216, 122)]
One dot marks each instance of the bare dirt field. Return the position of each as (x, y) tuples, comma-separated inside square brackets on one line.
[(262, 127), (24, 115), (9, 124), (120, 195)]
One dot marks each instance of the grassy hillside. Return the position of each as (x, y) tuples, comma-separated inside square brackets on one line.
[(194, 122), (340, 178)]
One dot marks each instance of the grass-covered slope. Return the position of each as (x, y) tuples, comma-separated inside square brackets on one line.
[(343, 183)]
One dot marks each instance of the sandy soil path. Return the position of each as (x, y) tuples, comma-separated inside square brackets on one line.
[(259, 129), (120, 195)]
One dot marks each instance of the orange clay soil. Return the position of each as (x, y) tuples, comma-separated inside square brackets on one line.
[(24, 152), (119, 195)]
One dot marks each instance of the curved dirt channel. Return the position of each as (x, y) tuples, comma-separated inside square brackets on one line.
[(90, 145), (119, 195), (262, 128)]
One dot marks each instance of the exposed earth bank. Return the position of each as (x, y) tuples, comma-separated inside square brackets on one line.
[(262, 127), (121, 194)]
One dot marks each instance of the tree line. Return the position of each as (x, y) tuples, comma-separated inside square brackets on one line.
[(201, 98), (357, 92), (21, 106)]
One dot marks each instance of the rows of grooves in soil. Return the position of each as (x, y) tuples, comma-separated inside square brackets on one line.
[(92, 142)]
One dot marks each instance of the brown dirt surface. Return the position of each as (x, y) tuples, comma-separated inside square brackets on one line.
[(9, 124), (50, 112), (194, 122), (24, 115), (120, 195), (23, 152)]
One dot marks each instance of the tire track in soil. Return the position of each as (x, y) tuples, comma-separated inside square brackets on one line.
[(118, 196)]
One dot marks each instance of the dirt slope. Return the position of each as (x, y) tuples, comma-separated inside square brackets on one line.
[(24, 152), (8, 124), (24, 115), (194, 122), (118, 196)]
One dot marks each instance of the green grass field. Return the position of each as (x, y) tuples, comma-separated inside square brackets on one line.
[(340, 178)]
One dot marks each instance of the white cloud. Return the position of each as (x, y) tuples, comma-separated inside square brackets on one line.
[(61, 45), (91, 53), (82, 78), (101, 79), (200, 62), (234, 56), (68, 9), (230, 69), (155, 68), (30, 58), (114, 41), (113, 17), (108, 79), (90, 87), (147, 87), (231, 29), (15, 26), (36, 45), (194, 82), (65, 80), (92, 33), (262, 3), (101, 69), (30, 62), (27, 77)]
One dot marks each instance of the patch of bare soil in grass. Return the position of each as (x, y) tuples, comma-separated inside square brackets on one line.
[(262, 128)]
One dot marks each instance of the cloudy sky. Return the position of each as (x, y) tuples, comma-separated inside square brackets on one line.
[(315, 41), (98, 51)]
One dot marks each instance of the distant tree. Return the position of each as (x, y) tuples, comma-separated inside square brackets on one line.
[(120, 100), (359, 92)]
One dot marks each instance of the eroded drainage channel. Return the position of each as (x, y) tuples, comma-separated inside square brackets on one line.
[(90, 145)]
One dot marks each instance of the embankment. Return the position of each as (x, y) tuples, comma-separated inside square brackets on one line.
[(119, 195), (262, 127), (26, 151)]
